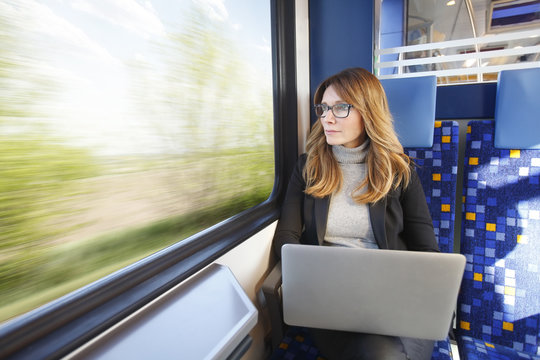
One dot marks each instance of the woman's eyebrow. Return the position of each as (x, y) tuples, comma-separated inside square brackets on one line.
[(339, 101)]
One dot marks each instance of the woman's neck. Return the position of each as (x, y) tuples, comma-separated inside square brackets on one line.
[(345, 155)]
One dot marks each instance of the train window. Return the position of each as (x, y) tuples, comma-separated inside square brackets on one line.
[(454, 40), (125, 126)]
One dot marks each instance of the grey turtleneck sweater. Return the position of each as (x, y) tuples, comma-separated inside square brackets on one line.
[(348, 221)]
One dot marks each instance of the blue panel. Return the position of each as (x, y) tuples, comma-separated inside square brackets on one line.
[(517, 110), (387, 41), (392, 17), (412, 104), (471, 101), (341, 36)]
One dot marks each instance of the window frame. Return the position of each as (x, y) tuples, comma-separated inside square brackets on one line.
[(58, 328)]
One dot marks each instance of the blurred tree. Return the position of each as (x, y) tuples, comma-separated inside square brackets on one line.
[(34, 177), (35, 168), (209, 105), (220, 107)]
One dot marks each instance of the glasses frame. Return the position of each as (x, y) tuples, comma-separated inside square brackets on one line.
[(328, 107)]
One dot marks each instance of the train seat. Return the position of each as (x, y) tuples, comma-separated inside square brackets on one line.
[(296, 345), (499, 304), (435, 151), (437, 169)]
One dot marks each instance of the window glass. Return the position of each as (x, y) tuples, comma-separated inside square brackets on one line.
[(125, 126), (459, 41)]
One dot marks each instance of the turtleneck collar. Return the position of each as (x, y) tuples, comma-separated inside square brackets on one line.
[(345, 155)]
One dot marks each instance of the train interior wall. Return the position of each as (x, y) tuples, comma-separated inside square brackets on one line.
[(250, 262)]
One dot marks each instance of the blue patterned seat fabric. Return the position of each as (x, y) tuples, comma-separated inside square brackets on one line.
[(437, 169), (481, 350), (296, 345), (499, 304), (442, 350)]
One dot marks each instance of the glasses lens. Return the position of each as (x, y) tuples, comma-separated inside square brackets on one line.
[(320, 110), (340, 110)]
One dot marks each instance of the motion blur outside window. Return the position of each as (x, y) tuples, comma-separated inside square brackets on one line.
[(125, 126)]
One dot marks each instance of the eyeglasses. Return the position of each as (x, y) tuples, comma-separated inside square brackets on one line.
[(339, 110)]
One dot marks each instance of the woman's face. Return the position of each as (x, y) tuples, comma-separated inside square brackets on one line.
[(348, 131)]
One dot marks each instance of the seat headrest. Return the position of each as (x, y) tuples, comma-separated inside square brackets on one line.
[(517, 109), (412, 104)]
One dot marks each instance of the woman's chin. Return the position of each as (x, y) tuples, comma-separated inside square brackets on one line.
[(331, 141)]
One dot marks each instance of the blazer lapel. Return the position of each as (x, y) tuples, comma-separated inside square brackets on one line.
[(377, 213), (321, 217)]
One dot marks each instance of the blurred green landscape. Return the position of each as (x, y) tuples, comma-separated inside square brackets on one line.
[(116, 144), (37, 267)]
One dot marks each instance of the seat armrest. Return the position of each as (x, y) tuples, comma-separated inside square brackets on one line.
[(271, 288), (272, 283)]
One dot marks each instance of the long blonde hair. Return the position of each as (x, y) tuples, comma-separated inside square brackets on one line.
[(387, 166)]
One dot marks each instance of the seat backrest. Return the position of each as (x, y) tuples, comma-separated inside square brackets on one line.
[(500, 297), (433, 146), (412, 104)]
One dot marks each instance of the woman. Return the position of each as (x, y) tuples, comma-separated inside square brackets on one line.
[(355, 187)]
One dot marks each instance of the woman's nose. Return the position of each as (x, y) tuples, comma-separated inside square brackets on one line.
[(330, 118)]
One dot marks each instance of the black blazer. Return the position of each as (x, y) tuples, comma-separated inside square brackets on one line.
[(400, 221)]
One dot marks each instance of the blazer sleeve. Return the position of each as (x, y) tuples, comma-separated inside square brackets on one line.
[(417, 224), (291, 224)]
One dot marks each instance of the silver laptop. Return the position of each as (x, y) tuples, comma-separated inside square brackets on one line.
[(387, 292)]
